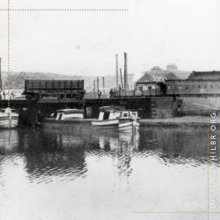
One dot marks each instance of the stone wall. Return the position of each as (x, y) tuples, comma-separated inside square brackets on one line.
[(163, 107)]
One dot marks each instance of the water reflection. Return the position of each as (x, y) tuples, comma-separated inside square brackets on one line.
[(41, 167), (49, 152), (50, 155), (176, 145)]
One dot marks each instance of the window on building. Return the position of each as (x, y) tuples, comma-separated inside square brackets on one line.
[(186, 86), (180, 87), (168, 87), (140, 88), (211, 86), (199, 86)]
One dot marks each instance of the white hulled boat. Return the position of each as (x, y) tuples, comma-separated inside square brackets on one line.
[(8, 118), (116, 117)]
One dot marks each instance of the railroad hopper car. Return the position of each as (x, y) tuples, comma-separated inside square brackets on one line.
[(37, 89), (193, 87)]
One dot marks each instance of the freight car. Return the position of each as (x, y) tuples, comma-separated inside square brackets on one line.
[(37, 89)]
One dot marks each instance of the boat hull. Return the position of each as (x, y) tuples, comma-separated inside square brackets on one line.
[(78, 124), (105, 124), (125, 124), (90, 124)]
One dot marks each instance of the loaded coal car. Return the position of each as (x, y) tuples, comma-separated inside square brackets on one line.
[(38, 89)]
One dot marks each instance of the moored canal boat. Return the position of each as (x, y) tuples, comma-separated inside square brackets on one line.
[(116, 117)]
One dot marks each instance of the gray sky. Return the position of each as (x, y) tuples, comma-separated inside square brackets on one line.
[(152, 32)]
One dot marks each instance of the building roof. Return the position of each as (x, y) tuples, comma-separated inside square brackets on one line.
[(159, 77), (146, 78), (193, 80), (171, 76), (156, 68), (210, 75)]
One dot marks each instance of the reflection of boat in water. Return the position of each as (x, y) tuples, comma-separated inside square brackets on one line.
[(109, 117), (8, 118)]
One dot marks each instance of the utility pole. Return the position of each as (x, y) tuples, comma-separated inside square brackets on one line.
[(117, 87), (98, 85), (94, 89), (125, 72), (103, 80)]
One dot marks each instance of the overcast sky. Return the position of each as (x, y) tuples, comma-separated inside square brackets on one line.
[(152, 32)]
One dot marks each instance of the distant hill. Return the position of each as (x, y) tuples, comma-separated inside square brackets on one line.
[(17, 79)]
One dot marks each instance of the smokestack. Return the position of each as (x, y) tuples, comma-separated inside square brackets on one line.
[(121, 79), (0, 75), (125, 72), (117, 87)]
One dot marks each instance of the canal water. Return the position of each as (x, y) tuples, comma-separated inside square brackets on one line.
[(65, 175)]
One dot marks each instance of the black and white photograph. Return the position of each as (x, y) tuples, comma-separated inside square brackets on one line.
[(109, 109)]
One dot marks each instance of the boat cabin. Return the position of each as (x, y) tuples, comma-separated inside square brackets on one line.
[(113, 112), (126, 114), (68, 114), (135, 115)]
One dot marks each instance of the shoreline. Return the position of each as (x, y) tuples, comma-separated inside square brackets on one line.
[(178, 121)]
